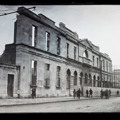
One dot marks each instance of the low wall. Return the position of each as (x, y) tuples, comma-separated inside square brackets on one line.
[(96, 90)]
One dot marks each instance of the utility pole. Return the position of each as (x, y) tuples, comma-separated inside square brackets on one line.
[(16, 11)]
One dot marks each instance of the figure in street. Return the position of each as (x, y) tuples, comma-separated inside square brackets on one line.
[(74, 93), (101, 93), (117, 93), (106, 94), (86, 93), (90, 92)]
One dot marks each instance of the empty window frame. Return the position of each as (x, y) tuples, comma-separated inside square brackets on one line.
[(67, 50), (47, 75), (34, 72), (34, 35), (107, 66), (97, 62), (58, 77), (47, 41), (47, 67), (74, 53), (75, 78), (93, 60), (58, 45)]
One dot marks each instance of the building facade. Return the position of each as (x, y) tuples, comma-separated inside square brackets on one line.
[(52, 60), (116, 78)]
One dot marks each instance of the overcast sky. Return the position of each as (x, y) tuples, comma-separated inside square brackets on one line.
[(99, 23)]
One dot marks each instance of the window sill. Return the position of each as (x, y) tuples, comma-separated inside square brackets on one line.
[(47, 87), (57, 87)]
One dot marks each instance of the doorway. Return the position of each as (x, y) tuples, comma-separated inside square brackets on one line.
[(10, 85)]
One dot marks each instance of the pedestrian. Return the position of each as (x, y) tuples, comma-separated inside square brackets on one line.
[(117, 93), (78, 93), (90, 92), (106, 94), (101, 93), (87, 93), (74, 93)]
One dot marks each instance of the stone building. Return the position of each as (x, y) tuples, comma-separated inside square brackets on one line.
[(116, 78), (52, 60)]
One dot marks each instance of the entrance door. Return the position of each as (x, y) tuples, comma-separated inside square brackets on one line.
[(10, 85)]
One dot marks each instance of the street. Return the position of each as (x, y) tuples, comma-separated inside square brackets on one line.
[(94, 105)]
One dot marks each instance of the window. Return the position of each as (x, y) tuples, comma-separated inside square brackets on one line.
[(67, 50), (58, 77), (107, 66), (47, 41), (85, 54), (34, 35), (93, 60), (97, 63), (58, 45), (86, 78), (34, 72), (94, 81), (68, 79), (47, 76), (103, 65), (74, 53), (75, 78), (47, 67)]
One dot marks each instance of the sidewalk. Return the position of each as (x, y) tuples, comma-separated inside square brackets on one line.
[(29, 101)]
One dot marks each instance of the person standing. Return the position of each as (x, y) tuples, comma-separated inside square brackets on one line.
[(86, 93), (90, 92), (101, 93), (74, 93)]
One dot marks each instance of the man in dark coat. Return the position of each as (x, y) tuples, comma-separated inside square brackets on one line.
[(101, 93), (86, 93), (90, 92), (74, 93)]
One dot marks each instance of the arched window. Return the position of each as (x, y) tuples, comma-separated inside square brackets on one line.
[(98, 82), (86, 78), (81, 76), (94, 78), (90, 78), (85, 54), (68, 79), (75, 78)]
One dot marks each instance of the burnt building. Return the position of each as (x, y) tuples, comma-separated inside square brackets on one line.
[(52, 60)]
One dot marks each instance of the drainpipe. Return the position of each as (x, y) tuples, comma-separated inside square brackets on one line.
[(18, 68)]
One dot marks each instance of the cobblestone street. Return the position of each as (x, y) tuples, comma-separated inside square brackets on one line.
[(94, 105)]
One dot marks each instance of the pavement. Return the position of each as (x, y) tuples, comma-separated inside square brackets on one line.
[(30, 101)]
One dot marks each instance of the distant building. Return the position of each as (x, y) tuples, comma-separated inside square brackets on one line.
[(50, 59), (116, 78)]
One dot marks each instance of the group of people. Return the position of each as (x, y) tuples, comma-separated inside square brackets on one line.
[(89, 93), (78, 93), (106, 93)]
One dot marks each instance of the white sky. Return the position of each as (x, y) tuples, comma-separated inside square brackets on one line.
[(99, 23)]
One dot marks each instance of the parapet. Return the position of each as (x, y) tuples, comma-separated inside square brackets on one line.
[(38, 18), (46, 20), (68, 31)]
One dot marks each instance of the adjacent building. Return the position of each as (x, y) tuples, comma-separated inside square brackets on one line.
[(52, 60)]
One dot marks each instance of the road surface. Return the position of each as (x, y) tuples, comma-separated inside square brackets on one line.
[(94, 105)]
